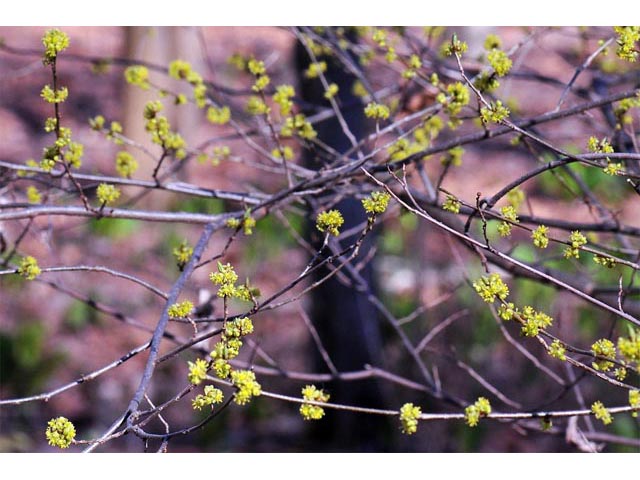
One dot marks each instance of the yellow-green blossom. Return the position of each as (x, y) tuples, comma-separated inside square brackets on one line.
[(247, 386), (331, 91), (376, 203), (57, 96), (495, 113), (490, 287), (261, 83), (54, 42), (401, 149), (73, 154), (329, 222), (509, 213), (298, 125), (613, 169), (97, 122), (219, 116), (603, 348), (50, 157), (456, 97), (313, 412), (126, 165), (225, 275), (557, 350), (453, 47), (377, 111), (599, 146), (33, 195), (534, 321), (180, 309), (29, 163), (60, 432), (486, 82), (409, 415), (211, 395), (601, 413), (29, 268), (473, 413), (226, 349), (197, 371), (620, 373), (182, 253), (237, 61), (359, 90), (621, 110), (627, 40), (577, 240), (607, 262), (500, 62), (492, 41), (179, 69), (634, 401), (220, 153), (256, 67), (282, 97), (50, 124), (221, 368), (137, 75), (630, 346), (507, 311), (540, 238), (255, 106), (238, 328), (288, 153), (315, 69), (107, 194), (380, 37), (452, 204)]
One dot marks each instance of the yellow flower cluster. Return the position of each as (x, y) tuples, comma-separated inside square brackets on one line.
[(330, 222), (601, 413), (509, 213), (377, 111), (197, 371), (409, 415), (539, 236), (491, 287), (376, 203), (451, 204), (577, 240), (60, 432), (29, 268), (54, 42), (313, 394), (126, 165), (247, 386), (107, 194), (180, 309), (603, 348), (137, 75), (473, 413), (211, 395)]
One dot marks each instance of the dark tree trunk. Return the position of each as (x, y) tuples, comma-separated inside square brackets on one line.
[(346, 321)]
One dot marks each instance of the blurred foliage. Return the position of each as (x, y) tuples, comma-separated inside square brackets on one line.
[(114, 228), (555, 183), (25, 361), (270, 240), (79, 315)]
